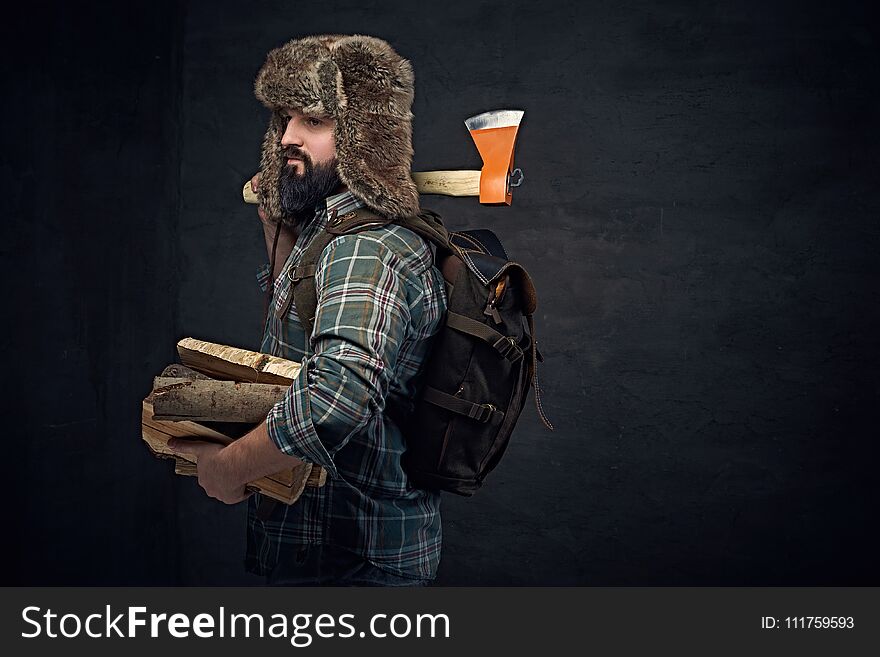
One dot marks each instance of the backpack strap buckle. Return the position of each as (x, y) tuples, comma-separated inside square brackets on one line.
[(300, 273), (481, 412), (478, 412), (507, 347)]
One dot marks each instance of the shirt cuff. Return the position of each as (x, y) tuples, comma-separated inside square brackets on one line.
[(263, 277), (290, 426)]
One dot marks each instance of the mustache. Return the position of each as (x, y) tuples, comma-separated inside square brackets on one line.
[(292, 152)]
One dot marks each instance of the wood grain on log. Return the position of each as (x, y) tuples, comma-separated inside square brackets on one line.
[(234, 364)]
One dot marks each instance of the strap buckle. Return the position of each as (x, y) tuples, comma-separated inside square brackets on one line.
[(300, 273), (481, 412), (507, 347)]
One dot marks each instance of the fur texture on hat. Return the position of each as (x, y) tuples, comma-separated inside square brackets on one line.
[(362, 83)]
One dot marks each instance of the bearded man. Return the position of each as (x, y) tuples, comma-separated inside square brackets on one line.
[(339, 139)]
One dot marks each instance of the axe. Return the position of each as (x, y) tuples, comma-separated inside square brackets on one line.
[(494, 133)]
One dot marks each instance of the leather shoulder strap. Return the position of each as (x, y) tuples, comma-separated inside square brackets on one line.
[(303, 282), (427, 224), (304, 294), (355, 221)]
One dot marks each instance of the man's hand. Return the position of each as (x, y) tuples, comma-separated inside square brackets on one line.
[(225, 471), (215, 476)]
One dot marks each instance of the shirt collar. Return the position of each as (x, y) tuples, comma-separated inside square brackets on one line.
[(343, 202)]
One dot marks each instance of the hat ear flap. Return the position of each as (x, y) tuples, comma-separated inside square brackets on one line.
[(374, 125), (270, 169)]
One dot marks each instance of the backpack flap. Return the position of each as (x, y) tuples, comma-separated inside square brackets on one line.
[(487, 267), (481, 241)]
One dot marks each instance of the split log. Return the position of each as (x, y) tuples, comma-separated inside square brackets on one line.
[(214, 401), (185, 468), (234, 364)]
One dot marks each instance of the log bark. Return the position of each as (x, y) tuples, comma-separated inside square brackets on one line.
[(208, 400), (178, 371)]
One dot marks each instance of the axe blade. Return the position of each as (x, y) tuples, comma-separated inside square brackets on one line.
[(494, 133), (495, 119)]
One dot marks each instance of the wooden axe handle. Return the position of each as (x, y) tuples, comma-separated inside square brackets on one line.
[(248, 194), (447, 183)]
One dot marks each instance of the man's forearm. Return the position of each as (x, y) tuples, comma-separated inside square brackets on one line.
[(254, 456)]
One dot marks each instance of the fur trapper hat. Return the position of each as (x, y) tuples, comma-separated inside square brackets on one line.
[(362, 83)]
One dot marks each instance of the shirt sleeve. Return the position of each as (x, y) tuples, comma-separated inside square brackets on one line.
[(361, 320)]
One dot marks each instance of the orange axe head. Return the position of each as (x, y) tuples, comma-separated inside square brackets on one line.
[(495, 136)]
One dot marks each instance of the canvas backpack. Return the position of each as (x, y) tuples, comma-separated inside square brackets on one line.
[(482, 361)]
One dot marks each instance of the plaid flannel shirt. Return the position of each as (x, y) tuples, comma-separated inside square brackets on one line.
[(380, 300)]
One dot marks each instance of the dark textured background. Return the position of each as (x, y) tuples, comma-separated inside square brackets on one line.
[(699, 213)]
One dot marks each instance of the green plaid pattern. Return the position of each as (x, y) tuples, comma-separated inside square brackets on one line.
[(380, 301)]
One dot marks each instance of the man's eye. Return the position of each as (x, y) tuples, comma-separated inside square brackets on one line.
[(315, 122)]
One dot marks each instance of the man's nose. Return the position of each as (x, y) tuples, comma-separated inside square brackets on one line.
[(291, 136)]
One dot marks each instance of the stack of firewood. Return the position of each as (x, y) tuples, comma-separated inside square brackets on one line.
[(218, 394)]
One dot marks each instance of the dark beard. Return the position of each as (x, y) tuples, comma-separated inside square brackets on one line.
[(301, 193)]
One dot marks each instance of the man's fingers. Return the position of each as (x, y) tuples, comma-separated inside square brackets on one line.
[(233, 497), (255, 183), (213, 477), (191, 447)]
